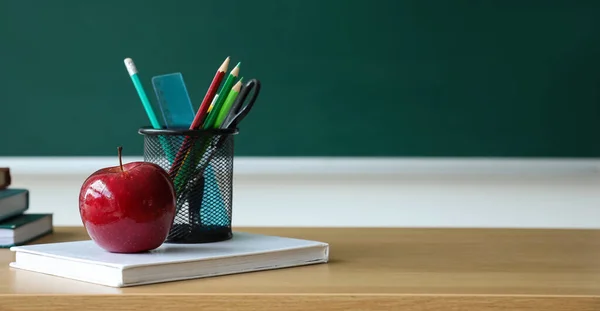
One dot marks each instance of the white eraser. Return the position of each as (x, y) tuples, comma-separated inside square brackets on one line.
[(130, 66)]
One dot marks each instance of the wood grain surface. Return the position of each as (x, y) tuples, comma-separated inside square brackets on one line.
[(370, 269)]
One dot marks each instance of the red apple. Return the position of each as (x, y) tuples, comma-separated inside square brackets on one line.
[(128, 208)]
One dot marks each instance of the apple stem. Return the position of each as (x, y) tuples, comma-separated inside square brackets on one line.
[(119, 149)]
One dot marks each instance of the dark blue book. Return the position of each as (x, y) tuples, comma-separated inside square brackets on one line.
[(13, 202)]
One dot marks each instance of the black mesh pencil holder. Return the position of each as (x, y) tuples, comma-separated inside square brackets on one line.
[(200, 164)]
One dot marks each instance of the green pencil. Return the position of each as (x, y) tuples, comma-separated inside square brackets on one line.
[(235, 90), (212, 116)]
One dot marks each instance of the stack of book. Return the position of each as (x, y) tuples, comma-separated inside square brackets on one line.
[(16, 226)]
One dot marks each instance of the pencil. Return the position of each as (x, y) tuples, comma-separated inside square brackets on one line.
[(212, 104), (221, 114), (133, 73), (199, 117), (212, 90), (212, 116)]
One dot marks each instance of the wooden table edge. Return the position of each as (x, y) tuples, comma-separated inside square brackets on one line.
[(296, 302)]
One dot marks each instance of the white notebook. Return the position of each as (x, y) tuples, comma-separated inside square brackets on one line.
[(245, 252)]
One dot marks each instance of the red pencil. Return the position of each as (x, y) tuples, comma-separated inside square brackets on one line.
[(200, 116), (210, 94)]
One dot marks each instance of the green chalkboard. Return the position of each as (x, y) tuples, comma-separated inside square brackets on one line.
[(339, 77)]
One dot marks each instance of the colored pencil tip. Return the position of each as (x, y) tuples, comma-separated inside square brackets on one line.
[(238, 86), (131, 69), (235, 71), (238, 64), (224, 65)]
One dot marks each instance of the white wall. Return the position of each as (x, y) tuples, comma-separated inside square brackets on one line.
[(365, 192)]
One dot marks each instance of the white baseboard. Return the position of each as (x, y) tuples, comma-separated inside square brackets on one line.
[(380, 192), (329, 165)]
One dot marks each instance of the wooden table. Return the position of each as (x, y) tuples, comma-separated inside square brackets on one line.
[(370, 269)]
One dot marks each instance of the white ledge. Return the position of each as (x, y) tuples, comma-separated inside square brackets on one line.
[(329, 165)]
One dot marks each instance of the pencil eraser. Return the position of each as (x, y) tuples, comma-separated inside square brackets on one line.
[(130, 66)]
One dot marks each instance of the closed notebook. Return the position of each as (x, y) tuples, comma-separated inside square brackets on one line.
[(245, 252), (13, 201), (23, 228)]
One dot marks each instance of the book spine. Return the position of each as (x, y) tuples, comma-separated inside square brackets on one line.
[(5, 178)]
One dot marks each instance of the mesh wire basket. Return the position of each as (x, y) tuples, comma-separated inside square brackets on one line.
[(200, 164)]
